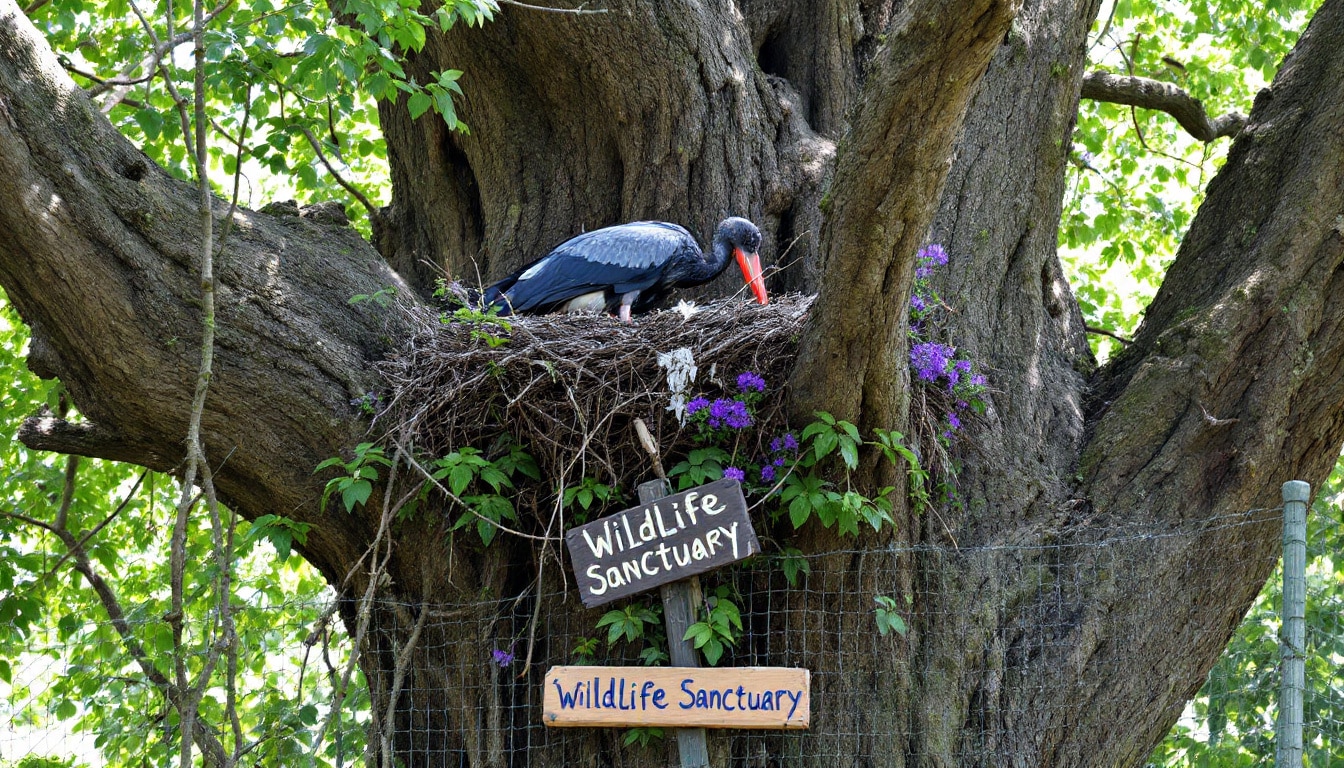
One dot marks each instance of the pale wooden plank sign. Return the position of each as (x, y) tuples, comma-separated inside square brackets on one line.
[(678, 697), (661, 541)]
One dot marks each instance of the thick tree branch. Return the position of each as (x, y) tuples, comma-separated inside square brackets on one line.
[(1248, 326), (92, 224), (1164, 97), (48, 433), (852, 360)]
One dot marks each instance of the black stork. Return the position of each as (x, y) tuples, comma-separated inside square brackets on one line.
[(627, 268)]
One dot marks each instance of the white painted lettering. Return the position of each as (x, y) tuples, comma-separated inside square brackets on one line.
[(595, 573)]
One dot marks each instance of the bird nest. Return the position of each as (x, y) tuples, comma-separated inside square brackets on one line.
[(569, 387)]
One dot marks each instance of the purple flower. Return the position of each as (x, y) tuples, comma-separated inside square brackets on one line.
[(962, 405), (930, 359), (733, 473), (503, 658), (779, 462), (917, 303), (953, 421), (750, 380), (923, 272), (933, 253), (979, 380), (964, 366), (767, 474), (698, 404), (790, 442), (732, 413)]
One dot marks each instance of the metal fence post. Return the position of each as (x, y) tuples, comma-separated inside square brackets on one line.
[(1292, 633)]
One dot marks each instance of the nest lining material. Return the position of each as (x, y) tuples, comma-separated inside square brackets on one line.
[(568, 387)]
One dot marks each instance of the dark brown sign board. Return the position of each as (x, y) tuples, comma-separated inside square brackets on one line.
[(678, 697), (666, 540)]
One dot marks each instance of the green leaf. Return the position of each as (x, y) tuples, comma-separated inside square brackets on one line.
[(849, 453), (825, 443), (800, 509), (419, 104), (151, 122), (355, 494), (459, 478), (65, 710)]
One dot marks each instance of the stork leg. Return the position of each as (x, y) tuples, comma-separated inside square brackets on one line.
[(626, 301)]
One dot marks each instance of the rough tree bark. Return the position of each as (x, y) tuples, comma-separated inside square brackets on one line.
[(1023, 645)]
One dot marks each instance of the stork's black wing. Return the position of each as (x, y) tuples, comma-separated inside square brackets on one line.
[(615, 260)]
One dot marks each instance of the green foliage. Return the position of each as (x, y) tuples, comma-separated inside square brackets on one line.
[(894, 450), (642, 736), (283, 83), (360, 474), (827, 434), (34, 761), (589, 493), (701, 465), (888, 618), (1135, 177), (486, 325), (50, 619), (382, 297), (1231, 720), (281, 531), (480, 485), (718, 629), (808, 494), (794, 564), (585, 651), (628, 622)]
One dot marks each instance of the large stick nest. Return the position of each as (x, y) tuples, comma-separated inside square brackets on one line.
[(568, 387)]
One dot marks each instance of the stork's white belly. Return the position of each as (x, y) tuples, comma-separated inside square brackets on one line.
[(588, 302)]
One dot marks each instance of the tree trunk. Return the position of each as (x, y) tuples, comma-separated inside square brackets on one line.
[(1034, 631)]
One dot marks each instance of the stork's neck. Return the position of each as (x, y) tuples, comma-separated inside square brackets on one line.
[(720, 252)]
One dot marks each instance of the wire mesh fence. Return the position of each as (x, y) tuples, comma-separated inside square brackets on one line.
[(471, 688)]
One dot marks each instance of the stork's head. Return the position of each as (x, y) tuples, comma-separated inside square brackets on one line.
[(745, 240)]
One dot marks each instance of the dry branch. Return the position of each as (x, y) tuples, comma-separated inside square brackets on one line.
[(1164, 97)]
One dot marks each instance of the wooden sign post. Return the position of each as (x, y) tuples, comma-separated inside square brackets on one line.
[(679, 601), (666, 542)]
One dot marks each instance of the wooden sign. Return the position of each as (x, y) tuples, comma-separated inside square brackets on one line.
[(678, 697), (665, 540)]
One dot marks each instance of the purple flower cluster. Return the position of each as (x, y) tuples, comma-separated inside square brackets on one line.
[(502, 658), (933, 254), (750, 381), (780, 447), (930, 256), (733, 473), (931, 360), (730, 413)]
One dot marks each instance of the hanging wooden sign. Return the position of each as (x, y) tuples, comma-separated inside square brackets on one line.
[(678, 697), (672, 538)]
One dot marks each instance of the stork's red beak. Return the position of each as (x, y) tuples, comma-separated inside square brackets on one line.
[(751, 273)]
